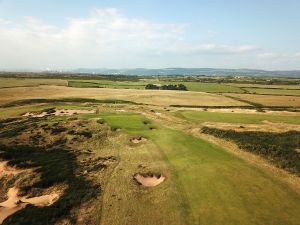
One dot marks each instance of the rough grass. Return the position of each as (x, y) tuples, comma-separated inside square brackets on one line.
[(217, 187), (204, 116), (278, 148), (65, 100)]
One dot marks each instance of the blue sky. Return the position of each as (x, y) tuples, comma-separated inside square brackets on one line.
[(65, 34)]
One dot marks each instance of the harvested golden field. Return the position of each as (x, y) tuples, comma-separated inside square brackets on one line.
[(155, 97), (269, 100), (21, 82)]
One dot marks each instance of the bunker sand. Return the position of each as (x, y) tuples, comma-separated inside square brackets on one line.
[(15, 203), (149, 180)]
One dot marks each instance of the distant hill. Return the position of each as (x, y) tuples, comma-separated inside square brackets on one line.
[(190, 71)]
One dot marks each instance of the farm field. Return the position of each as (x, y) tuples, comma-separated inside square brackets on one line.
[(191, 86), (133, 156), (21, 82), (154, 97), (276, 91), (269, 100)]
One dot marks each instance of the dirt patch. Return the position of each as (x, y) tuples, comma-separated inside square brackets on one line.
[(58, 112), (15, 203), (149, 179), (137, 140)]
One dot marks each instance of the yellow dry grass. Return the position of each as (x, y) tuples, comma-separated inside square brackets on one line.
[(155, 97), (270, 100), (20, 82)]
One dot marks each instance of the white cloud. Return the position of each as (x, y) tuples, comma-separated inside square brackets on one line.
[(104, 39), (278, 56), (268, 55), (213, 49)]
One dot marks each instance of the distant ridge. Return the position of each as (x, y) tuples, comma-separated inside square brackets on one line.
[(189, 71)]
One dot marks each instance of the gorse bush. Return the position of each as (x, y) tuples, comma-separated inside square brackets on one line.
[(279, 148)]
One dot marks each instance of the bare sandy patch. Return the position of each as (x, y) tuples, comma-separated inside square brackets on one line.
[(243, 111), (137, 140), (35, 115), (149, 180), (235, 110), (70, 112), (15, 203), (58, 112), (267, 126)]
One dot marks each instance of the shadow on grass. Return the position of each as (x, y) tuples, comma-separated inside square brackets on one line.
[(55, 166)]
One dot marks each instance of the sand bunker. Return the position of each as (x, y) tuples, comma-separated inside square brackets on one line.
[(149, 180), (58, 112), (137, 140), (15, 203), (6, 170)]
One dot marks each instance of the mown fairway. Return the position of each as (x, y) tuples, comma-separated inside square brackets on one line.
[(216, 187)]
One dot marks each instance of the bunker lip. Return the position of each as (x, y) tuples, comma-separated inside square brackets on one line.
[(148, 179), (137, 139)]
